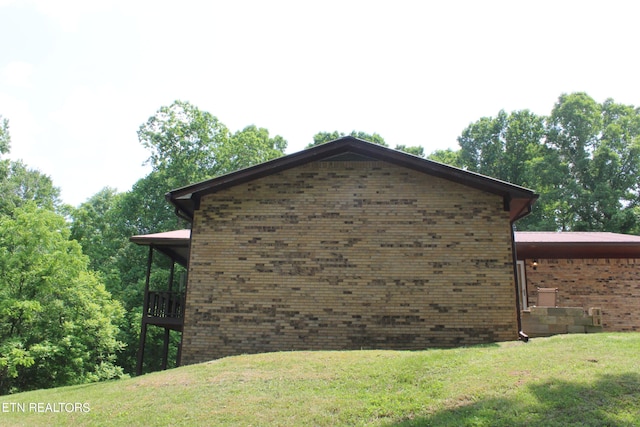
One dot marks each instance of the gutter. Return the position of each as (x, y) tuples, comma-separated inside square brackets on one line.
[(180, 213)]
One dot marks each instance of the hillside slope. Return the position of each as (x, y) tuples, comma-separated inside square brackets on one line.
[(563, 380)]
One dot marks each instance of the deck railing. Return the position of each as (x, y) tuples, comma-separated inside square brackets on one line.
[(165, 304)]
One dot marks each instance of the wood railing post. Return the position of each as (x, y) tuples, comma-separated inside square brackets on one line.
[(145, 308)]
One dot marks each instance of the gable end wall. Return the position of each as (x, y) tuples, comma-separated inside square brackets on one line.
[(348, 255)]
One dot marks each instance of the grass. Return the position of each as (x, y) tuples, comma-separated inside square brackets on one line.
[(580, 380)]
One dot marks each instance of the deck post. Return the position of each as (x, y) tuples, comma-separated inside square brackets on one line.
[(179, 355), (171, 273), (145, 308), (165, 349)]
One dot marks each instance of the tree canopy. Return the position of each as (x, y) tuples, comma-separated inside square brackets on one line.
[(20, 184), (186, 145), (57, 321), (583, 159), (323, 137), (58, 324), (190, 144), (5, 138)]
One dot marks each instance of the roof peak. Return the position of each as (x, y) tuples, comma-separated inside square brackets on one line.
[(518, 199)]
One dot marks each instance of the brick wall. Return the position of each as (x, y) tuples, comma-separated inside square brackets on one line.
[(610, 284), (348, 255)]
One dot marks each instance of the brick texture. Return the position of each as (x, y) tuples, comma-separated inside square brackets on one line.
[(610, 284), (348, 255)]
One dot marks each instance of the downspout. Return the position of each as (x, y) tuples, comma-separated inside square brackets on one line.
[(521, 335), (165, 344), (182, 215)]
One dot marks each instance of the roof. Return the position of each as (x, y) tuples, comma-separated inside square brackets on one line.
[(576, 244), (175, 244), (529, 244), (517, 200)]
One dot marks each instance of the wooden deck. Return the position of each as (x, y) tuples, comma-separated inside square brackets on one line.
[(165, 309)]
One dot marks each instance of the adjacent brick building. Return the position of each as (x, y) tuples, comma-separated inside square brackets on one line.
[(347, 245), (588, 269)]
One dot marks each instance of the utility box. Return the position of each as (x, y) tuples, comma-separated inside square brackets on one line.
[(547, 297), (596, 314)]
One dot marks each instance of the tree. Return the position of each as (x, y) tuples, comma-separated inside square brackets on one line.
[(323, 137), (186, 145), (598, 146), (510, 147), (417, 150), (19, 184), (94, 227), (183, 139), (616, 166), (501, 146), (448, 157), (248, 147), (513, 147), (57, 321), (583, 159), (5, 138), (482, 145)]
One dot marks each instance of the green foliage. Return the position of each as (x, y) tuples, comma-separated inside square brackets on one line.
[(583, 159), (95, 228), (19, 184), (417, 150), (183, 139), (448, 157), (57, 321), (249, 147), (598, 150), (323, 137), (5, 137), (186, 145), (501, 146)]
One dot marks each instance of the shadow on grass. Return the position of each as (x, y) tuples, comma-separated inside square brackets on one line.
[(612, 400)]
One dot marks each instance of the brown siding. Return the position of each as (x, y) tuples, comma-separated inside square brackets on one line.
[(610, 284), (348, 255)]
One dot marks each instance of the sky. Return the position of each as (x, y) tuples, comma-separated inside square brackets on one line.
[(78, 78)]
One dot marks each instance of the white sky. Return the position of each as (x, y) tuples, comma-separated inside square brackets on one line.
[(78, 78)]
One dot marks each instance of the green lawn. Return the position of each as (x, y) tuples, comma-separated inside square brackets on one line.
[(581, 380)]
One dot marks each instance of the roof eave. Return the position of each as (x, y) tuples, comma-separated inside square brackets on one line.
[(584, 250), (186, 199)]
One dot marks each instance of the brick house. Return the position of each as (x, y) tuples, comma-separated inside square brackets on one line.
[(583, 271), (346, 245)]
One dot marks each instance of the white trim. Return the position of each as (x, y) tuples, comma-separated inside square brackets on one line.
[(522, 284)]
